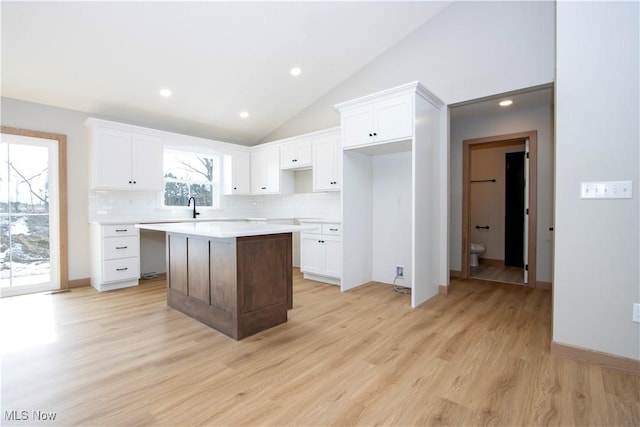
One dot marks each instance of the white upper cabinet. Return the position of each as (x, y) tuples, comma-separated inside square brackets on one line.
[(266, 176), (296, 154), (125, 160), (237, 174), (147, 156), (326, 165), (377, 121)]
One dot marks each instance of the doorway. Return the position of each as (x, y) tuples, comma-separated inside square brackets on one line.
[(33, 215), (500, 234), (514, 209)]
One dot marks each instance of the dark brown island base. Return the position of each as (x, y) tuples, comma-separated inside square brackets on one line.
[(229, 276)]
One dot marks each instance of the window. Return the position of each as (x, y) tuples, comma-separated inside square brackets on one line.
[(191, 174)]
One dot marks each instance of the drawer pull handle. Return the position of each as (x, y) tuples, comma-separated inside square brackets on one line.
[(333, 229), (121, 247), (122, 269), (121, 230)]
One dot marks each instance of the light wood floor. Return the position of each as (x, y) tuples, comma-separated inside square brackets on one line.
[(475, 357)]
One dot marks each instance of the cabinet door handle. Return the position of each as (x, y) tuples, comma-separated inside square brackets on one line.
[(333, 229), (121, 247), (320, 241), (375, 134), (121, 230), (122, 269), (370, 134), (130, 182), (235, 188), (264, 188)]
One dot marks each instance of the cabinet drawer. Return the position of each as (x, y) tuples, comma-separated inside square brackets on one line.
[(121, 269), (120, 247), (119, 230), (332, 229)]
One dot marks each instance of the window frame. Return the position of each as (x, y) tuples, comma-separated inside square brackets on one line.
[(216, 181)]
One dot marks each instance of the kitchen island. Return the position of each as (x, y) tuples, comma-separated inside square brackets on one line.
[(235, 277)]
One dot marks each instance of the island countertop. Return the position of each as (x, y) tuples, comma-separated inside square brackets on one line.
[(224, 229)]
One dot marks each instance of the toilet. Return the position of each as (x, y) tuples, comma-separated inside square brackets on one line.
[(476, 249)]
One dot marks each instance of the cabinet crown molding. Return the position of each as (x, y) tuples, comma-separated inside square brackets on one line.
[(412, 87)]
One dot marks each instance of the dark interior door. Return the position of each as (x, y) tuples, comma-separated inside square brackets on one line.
[(514, 210)]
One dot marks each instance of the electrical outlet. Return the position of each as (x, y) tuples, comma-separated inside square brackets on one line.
[(399, 270), (636, 312)]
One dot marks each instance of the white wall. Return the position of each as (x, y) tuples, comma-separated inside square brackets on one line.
[(596, 278), (391, 209), (539, 119), (467, 51)]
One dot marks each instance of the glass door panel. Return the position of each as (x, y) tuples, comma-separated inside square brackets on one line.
[(28, 215)]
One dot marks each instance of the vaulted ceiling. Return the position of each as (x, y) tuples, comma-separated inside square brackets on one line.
[(217, 58)]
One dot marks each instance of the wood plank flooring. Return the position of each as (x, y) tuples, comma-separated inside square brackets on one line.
[(478, 356)]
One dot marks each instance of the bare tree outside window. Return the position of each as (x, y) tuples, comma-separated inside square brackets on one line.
[(24, 212), (189, 174)]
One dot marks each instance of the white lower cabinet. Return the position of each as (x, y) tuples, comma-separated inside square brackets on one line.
[(321, 253), (115, 256)]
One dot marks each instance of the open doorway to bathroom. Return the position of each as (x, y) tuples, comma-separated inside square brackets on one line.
[(499, 208)]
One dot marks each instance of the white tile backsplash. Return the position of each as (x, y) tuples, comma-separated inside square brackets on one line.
[(138, 205)]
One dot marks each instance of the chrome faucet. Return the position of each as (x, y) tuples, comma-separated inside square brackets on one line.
[(194, 206)]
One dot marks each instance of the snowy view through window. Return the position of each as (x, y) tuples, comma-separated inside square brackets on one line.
[(188, 174), (24, 215)]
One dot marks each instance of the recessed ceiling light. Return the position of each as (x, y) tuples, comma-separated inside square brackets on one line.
[(244, 114), (506, 103), (165, 92), (295, 71)]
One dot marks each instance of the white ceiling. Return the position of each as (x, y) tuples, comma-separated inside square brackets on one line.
[(218, 58)]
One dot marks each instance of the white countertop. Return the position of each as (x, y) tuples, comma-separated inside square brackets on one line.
[(224, 229), (114, 221)]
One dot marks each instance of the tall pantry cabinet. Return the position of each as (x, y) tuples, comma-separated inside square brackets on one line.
[(394, 198)]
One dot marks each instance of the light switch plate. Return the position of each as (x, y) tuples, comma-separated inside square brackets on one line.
[(606, 190), (636, 312)]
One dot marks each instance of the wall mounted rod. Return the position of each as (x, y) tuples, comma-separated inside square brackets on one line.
[(483, 180)]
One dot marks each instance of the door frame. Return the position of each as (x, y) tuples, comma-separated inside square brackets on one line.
[(491, 142), (62, 193)]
